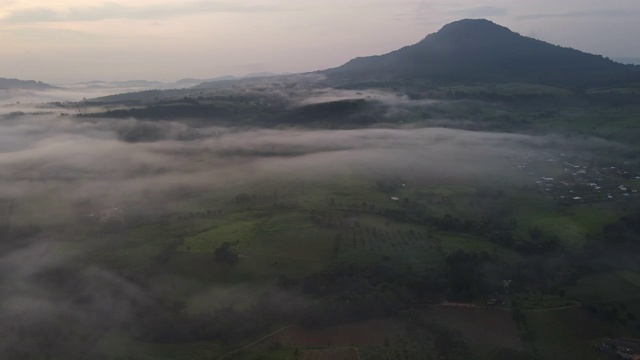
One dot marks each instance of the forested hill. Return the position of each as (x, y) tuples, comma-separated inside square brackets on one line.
[(8, 84), (469, 51)]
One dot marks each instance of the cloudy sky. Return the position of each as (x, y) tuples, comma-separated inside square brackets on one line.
[(66, 41)]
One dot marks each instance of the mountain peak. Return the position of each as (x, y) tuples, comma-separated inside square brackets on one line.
[(468, 31), (478, 50), (472, 26)]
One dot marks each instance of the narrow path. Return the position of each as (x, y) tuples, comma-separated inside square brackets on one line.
[(577, 304), (255, 342), (474, 306), (471, 306)]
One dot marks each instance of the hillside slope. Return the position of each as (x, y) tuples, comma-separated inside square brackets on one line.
[(468, 51)]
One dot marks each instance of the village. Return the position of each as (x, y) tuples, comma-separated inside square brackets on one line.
[(571, 179)]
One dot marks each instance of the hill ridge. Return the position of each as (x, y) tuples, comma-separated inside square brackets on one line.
[(8, 84)]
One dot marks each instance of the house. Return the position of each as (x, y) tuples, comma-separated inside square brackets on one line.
[(624, 348), (111, 215), (495, 301)]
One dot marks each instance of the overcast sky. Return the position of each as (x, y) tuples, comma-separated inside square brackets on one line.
[(65, 41)]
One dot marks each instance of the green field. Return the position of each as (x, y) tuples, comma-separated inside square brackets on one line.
[(450, 243), (305, 227), (615, 286), (568, 334), (511, 89)]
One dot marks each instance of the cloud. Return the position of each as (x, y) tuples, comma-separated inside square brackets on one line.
[(481, 11), (99, 159), (118, 11), (582, 14)]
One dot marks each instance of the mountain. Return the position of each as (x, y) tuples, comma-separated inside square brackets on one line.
[(478, 50), (136, 83), (15, 84)]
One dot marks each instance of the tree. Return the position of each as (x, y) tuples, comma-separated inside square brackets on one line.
[(225, 254), (466, 279)]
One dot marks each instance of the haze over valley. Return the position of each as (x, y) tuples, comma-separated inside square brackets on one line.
[(473, 195)]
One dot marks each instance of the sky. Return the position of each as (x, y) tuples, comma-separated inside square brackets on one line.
[(67, 41)]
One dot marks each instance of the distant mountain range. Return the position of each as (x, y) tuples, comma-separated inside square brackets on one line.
[(15, 84), (121, 84), (480, 51), (157, 85)]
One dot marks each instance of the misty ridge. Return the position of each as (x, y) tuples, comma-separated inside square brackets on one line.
[(66, 160)]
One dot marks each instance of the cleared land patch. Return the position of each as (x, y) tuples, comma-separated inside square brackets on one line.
[(480, 326), (365, 333)]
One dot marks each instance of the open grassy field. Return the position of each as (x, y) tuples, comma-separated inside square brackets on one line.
[(569, 334), (573, 226), (614, 123), (615, 286), (570, 224), (301, 227), (481, 327)]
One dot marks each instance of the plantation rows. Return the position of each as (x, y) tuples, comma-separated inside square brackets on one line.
[(384, 241)]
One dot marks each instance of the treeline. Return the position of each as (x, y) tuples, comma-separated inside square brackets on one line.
[(496, 96), (348, 292), (342, 113), (354, 292), (626, 229), (501, 232), (159, 112), (604, 98), (334, 113)]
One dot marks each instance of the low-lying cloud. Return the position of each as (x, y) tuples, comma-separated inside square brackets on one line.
[(50, 163)]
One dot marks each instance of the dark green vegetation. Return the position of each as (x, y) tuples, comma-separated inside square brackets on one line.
[(489, 212), (609, 114), (217, 270)]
